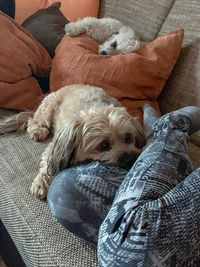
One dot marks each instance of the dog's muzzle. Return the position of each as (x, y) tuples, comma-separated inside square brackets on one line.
[(126, 160)]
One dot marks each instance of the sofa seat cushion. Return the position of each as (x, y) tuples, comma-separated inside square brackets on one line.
[(40, 239)]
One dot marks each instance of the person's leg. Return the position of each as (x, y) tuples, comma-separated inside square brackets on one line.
[(81, 196), (150, 116), (155, 213)]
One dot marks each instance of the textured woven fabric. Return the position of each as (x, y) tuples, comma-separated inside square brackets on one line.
[(194, 153), (145, 16), (80, 197), (183, 87), (40, 239)]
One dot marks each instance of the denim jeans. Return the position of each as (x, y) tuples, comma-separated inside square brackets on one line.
[(149, 216)]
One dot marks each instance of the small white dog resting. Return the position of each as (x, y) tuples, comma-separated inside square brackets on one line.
[(114, 36)]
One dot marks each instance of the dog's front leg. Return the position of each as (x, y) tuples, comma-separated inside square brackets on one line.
[(39, 127), (75, 28), (41, 183), (84, 25)]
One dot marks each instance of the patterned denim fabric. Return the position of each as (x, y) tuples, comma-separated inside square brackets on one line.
[(155, 217), (81, 196)]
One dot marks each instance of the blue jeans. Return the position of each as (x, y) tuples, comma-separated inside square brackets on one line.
[(149, 216)]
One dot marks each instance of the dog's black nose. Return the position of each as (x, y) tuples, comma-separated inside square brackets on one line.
[(103, 52), (126, 160)]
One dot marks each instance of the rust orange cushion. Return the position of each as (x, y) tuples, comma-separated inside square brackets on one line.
[(21, 56), (72, 9), (133, 78)]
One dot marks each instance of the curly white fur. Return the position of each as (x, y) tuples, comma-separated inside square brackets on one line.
[(114, 36)]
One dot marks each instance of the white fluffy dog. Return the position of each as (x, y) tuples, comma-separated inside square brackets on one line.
[(86, 124), (114, 36)]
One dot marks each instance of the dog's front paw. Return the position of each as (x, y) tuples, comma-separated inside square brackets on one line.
[(71, 29), (39, 187), (38, 133)]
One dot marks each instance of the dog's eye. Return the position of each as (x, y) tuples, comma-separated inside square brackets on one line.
[(104, 145), (116, 33), (114, 45), (128, 138)]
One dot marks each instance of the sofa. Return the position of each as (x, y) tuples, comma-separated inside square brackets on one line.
[(39, 239)]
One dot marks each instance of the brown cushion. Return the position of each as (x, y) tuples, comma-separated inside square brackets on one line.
[(47, 26), (21, 56), (133, 78), (72, 10)]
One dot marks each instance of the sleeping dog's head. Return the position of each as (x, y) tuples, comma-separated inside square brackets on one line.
[(121, 42), (106, 134)]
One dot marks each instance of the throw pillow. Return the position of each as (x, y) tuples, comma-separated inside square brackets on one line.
[(21, 57), (47, 26), (134, 78), (72, 10)]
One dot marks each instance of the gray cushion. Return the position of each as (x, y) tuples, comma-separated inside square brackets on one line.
[(145, 16), (183, 87)]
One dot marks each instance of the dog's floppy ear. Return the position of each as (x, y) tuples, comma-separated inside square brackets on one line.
[(64, 145), (140, 138)]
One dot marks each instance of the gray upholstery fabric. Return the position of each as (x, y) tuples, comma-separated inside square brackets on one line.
[(183, 87), (39, 238), (145, 16), (194, 152)]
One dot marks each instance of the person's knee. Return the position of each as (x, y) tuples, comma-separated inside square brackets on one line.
[(62, 195), (81, 188), (80, 197), (71, 207)]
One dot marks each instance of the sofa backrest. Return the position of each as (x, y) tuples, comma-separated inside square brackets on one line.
[(144, 17), (183, 87), (153, 18)]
